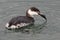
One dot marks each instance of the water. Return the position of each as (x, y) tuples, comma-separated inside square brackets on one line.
[(11, 8)]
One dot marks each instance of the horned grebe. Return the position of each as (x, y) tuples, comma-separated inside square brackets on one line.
[(22, 21)]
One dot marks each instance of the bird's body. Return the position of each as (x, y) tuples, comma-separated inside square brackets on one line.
[(20, 21)]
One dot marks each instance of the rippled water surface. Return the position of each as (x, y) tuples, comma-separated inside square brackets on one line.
[(11, 8)]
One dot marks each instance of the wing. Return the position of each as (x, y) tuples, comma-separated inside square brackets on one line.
[(22, 20)]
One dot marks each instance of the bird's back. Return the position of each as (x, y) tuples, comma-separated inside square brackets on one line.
[(20, 20)]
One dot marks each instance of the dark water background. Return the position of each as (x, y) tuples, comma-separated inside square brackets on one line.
[(11, 8)]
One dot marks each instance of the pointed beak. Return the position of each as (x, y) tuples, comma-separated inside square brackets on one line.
[(43, 16)]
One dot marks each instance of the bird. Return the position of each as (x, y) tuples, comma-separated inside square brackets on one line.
[(22, 21)]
